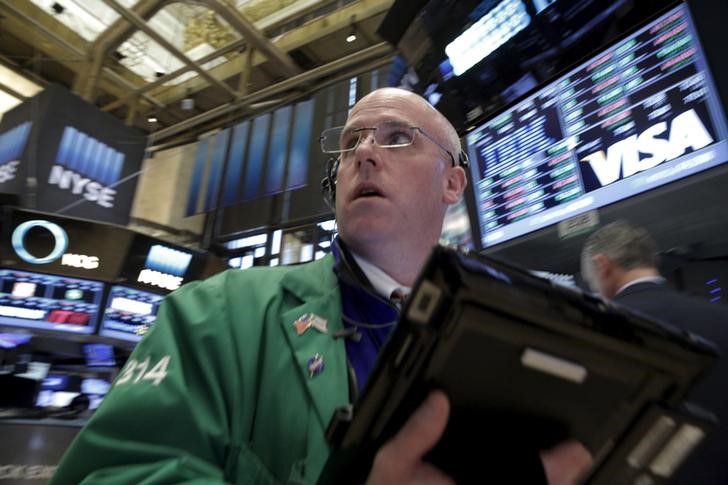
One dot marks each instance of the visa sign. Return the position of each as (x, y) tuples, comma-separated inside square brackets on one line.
[(84, 165), (685, 131)]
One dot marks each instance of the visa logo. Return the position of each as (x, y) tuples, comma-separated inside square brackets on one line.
[(686, 131), (84, 165)]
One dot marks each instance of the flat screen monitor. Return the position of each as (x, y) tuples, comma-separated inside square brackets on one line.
[(456, 229), (638, 115), (129, 313), (99, 355), (59, 390), (13, 340), (49, 302)]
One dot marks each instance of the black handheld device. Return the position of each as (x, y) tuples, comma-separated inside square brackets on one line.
[(526, 363)]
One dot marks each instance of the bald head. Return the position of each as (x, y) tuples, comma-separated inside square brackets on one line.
[(432, 120), (391, 200)]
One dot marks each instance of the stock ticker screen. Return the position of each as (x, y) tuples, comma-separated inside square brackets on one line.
[(49, 302), (129, 314), (639, 115)]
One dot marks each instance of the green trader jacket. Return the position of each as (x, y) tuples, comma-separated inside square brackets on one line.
[(220, 391)]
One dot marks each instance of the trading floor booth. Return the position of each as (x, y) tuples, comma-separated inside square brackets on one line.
[(75, 298)]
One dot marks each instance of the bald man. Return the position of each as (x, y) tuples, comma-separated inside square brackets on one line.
[(240, 375)]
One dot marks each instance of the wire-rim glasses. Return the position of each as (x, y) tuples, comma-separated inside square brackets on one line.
[(386, 134)]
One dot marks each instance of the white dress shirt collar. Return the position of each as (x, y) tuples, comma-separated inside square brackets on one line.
[(381, 281)]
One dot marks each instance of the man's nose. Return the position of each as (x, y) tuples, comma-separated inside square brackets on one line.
[(367, 137), (365, 149)]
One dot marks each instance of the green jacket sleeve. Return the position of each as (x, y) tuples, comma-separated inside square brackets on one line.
[(168, 417)]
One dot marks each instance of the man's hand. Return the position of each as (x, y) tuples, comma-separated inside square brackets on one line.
[(400, 460), (566, 462)]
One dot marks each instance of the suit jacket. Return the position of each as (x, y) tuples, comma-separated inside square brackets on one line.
[(220, 391), (708, 465)]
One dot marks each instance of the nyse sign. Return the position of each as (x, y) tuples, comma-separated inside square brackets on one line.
[(165, 267), (78, 184), (86, 166), (8, 170), (60, 244), (157, 278)]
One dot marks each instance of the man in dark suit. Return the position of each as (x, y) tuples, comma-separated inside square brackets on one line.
[(620, 262)]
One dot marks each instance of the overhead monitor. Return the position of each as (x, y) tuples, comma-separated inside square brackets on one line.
[(52, 243), (129, 313), (161, 267), (638, 115), (49, 302)]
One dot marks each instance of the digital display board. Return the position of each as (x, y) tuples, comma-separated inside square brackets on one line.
[(49, 243), (638, 115), (129, 313), (49, 302)]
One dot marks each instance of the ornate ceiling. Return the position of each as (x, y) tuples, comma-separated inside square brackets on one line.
[(177, 69)]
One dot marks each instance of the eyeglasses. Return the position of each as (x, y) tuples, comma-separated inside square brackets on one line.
[(387, 134)]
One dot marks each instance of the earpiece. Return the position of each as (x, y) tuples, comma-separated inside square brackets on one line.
[(463, 159), (328, 183)]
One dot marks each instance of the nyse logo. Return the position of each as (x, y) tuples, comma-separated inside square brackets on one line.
[(92, 191), (686, 131), (8, 170), (165, 267), (12, 144), (84, 165), (162, 280)]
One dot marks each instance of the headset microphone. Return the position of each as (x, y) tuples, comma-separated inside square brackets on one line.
[(328, 183)]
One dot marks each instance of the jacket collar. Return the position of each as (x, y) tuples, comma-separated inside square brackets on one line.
[(315, 289), (642, 283)]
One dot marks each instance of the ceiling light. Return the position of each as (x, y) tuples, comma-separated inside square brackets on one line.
[(187, 104), (352, 34), (152, 119)]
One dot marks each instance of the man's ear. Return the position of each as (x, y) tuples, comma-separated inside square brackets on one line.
[(455, 182), (603, 266)]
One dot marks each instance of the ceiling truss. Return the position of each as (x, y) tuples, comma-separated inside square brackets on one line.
[(274, 59)]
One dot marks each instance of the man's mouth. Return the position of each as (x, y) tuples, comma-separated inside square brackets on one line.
[(368, 191)]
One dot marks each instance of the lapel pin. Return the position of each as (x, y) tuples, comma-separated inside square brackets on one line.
[(308, 320), (315, 365)]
